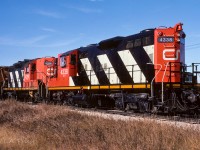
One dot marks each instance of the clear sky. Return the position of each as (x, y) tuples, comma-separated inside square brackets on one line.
[(37, 28)]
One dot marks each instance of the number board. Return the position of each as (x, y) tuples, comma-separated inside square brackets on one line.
[(165, 39)]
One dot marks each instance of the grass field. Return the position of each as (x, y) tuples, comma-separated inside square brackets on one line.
[(24, 126)]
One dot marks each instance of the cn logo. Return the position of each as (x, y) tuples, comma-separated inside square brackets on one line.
[(51, 72), (171, 54)]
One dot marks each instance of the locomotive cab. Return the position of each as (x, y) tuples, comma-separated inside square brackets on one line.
[(66, 70), (30, 75), (39, 71), (37, 74), (68, 66)]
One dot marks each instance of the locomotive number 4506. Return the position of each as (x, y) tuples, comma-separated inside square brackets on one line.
[(165, 39)]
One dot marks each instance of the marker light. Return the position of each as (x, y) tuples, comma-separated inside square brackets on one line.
[(160, 33)]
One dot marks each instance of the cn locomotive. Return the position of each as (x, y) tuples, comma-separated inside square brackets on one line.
[(144, 72)]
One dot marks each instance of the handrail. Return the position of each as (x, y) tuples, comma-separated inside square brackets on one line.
[(47, 77), (162, 89), (152, 90)]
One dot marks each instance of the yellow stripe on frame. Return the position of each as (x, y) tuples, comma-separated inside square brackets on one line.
[(19, 89), (98, 87), (93, 87)]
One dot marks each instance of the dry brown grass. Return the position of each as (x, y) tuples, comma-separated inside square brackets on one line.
[(24, 126)]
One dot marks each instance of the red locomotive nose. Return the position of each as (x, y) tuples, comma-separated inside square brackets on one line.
[(169, 49)]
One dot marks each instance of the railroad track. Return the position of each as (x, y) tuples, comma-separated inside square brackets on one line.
[(177, 120)]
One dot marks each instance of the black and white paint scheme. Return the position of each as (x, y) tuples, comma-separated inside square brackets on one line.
[(119, 60)]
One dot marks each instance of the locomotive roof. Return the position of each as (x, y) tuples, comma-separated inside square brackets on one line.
[(114, 41), (20, 64), (66, 53), (4, 66)]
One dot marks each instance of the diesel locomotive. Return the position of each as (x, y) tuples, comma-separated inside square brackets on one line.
[(144, 72)]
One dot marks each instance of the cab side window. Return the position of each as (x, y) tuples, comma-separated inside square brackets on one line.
[(73, 59), (27, 69), (33, 67), (63, 62)]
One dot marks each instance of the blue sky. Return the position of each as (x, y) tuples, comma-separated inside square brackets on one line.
[(37, 28)]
